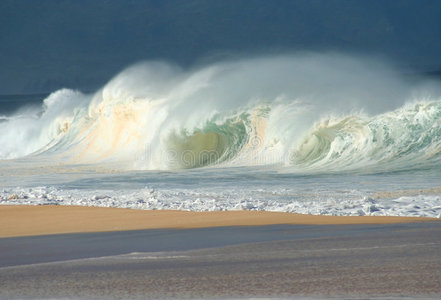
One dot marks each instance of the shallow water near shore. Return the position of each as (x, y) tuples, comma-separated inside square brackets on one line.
[(414, 193)]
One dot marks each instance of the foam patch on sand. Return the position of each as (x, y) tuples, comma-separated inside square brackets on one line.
[(284, 200)]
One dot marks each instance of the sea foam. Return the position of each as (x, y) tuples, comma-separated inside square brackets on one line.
[(209, 199)]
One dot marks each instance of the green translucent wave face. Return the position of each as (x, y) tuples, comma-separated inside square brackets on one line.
[(212, 144)]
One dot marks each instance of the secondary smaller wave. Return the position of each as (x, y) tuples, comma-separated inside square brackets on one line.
[(407, 138), (36, 129)]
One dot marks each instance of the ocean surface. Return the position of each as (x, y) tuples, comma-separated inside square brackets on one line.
[(309, 133)]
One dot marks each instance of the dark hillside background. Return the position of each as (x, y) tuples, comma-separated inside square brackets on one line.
[(46, 45)]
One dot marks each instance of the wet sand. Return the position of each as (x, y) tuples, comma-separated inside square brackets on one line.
[(313, 261), (205, 255), (47, 219)]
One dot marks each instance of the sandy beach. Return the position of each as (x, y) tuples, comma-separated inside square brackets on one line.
[(85, 252), (46, 219)]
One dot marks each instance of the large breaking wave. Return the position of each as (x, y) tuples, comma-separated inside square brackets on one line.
[(305, 112)]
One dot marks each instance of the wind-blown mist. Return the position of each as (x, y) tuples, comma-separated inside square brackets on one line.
[(306, 112)]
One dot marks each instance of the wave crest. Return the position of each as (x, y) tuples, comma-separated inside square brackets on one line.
[(294, 111)]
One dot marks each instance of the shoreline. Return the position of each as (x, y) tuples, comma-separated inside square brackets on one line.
[(25, 220)]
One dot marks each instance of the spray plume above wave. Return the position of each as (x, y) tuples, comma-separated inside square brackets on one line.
[(309, 112)]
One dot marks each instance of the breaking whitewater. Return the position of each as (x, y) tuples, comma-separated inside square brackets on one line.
[(311, 133)]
